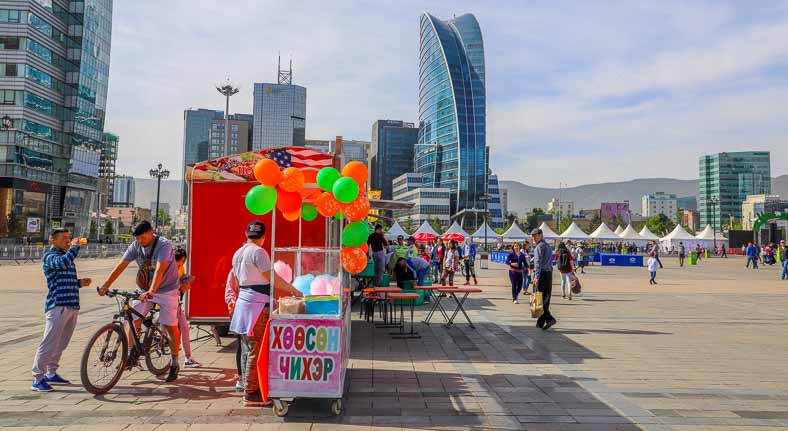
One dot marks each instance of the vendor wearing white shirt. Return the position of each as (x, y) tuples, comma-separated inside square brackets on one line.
[(253, 270)]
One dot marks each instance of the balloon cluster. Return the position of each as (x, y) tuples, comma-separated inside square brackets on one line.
[(342, 197)]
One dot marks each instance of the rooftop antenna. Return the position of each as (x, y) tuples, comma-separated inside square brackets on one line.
[(285, 76)]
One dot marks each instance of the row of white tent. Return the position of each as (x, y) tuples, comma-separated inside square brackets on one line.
[(573, 232)]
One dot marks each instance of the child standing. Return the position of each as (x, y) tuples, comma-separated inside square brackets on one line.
[(450, 263), (183, 324), (652, 267)]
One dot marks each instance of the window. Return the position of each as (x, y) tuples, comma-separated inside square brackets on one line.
[(8, 69), (10, 15), (10, 97), (9, 42)]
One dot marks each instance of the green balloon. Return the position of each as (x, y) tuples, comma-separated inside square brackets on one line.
[(327, 177), (355, 234), (308, 211), (345, 190), (260, 199)]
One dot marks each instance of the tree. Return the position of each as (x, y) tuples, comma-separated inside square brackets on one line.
[(499, 231), (408, 224), (435, 222), (164, 217), (660, 224), (533, 217), (565, 223), (727, 226), (92, 231), (108, 228), (511, 217)]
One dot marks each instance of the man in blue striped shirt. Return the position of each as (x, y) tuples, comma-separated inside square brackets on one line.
[(61, 309)]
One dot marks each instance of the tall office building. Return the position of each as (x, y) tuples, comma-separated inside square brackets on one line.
[(494, 207), (660, 203), (352, 150), (390, 153), (430, 204), (451, 151), (53, 83), (196, 144), (279, 113), (109, 155), (725, 181), (240, 136), (123, 192)]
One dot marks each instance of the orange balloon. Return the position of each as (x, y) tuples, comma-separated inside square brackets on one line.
[(353, 259), (292, 180), (267, 172), (358, 209), (293, 216), (288, 202), (356, 170), (327, 205), (364, 247), (310, 193), (310, 175)]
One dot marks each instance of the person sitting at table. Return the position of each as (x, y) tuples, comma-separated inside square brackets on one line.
[(403, 273)]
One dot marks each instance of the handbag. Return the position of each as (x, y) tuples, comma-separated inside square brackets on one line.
[(537, 305), (575, 283), (145, 271)]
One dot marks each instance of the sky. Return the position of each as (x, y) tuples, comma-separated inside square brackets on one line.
[(577, 92)]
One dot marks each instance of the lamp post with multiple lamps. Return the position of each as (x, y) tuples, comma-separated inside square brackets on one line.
[(227, 90), (714, 202), (159, 173)]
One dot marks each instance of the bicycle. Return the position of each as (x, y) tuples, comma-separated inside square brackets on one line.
[(107, 352)]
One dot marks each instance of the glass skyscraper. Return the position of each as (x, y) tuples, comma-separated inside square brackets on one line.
[(279, 116), (725, 181), (53, 83), (452, 112), (196, 143), (390, 153)]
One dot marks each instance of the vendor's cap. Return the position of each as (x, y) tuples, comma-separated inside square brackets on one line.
[(410, 238), (255, 229), (536, 231)]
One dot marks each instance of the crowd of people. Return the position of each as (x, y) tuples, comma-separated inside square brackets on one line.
[(770, 254)]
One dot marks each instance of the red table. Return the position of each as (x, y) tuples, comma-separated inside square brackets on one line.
[(436, 304), (466, 291), (402, 297), (384, 293)]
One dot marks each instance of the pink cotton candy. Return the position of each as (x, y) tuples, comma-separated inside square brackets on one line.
[(283, 270)]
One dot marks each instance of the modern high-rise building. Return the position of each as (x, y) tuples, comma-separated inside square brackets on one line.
[(279, 113), (53, 82), (240, 136), (494, 208), (504, 201), (123, 192), (109, 155), (390, 153), (430, 204), (725, 181), (451, 151), (660, 203), (196, 143)]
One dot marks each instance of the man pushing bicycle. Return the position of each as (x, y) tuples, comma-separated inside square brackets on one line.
[(157, 280)]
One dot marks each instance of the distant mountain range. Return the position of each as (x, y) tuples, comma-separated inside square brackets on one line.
[(523, 198)]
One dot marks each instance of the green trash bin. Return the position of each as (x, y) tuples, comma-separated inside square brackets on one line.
[(693, 259), (385, 280), (407, 287), (706, 254)]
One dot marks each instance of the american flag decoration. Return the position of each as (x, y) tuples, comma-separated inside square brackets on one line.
[(298, 157), (239, 167)]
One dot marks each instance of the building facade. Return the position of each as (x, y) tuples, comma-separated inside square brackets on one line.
[(429, 203), (611, 211), (494, 207), (725, 181), (391, 153), (567, 207), (196, 141), (279, 116), (504, 201), (660, 203), (123, 192), (53, 82), (352, 150), (756, 205), (687, 203), (691, 220), (240, 136), (451, 151)]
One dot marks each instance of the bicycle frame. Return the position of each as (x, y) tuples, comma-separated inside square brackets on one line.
[(126, 314)]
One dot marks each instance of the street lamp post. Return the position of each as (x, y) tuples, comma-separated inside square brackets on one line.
[(485, 199), (159, 174), (227, 90), (713, 201)]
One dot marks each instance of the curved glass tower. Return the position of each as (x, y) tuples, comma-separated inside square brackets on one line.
[(452, 112)]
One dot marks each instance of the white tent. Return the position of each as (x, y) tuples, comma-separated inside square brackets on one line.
[(574, 232), (603, 233), (708, 234), (648, 234), (618, 230), (630, 234), (426, 228), (455, 228), (394, 231), (547, 232), (514, 233), (491, 234), (676, 236)]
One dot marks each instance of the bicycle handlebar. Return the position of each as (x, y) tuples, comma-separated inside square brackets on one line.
[(115, 292)]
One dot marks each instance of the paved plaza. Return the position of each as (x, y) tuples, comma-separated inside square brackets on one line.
[(706, 349)]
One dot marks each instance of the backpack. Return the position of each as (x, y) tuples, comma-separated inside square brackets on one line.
[(563, 261)]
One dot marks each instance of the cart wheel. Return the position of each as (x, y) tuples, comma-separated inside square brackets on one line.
[(281, 408), (336, 407)]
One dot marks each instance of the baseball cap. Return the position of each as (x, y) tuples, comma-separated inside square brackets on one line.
[(255, 229), (410, 238), (536, 231), (400, 237)]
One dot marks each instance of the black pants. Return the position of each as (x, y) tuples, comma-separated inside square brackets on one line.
[(470, 271), (546, 287), (517, 283), (681, 260)]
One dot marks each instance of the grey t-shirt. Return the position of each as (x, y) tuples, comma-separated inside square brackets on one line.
[(162, 253)]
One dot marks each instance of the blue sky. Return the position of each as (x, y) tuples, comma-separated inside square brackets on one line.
[(578, 92)]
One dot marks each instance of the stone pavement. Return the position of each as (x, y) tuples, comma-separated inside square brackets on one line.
[(706, 349)]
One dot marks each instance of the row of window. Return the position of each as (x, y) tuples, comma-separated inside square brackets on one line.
[(40, 51), (13, 16), (32, 101)]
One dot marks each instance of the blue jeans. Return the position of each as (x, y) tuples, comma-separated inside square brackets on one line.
[(653, 276), (785, 270), (754, 262), (421, 275), (526, 281)]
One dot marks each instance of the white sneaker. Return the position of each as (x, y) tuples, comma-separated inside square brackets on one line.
[(191, 363), (516, 301)]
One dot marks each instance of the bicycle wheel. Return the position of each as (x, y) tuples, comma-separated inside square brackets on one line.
[(158, 353), (104, 359)]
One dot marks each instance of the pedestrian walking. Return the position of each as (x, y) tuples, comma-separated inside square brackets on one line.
[(543, 277), (782, 254), (529, 266), (377, 249), (517, 265), (581, 258), (652, 268), (469, 260), (752, 256), (436, 259), (564, 264), (60, 309), (451, 262), (655, 250), (682, 253)]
